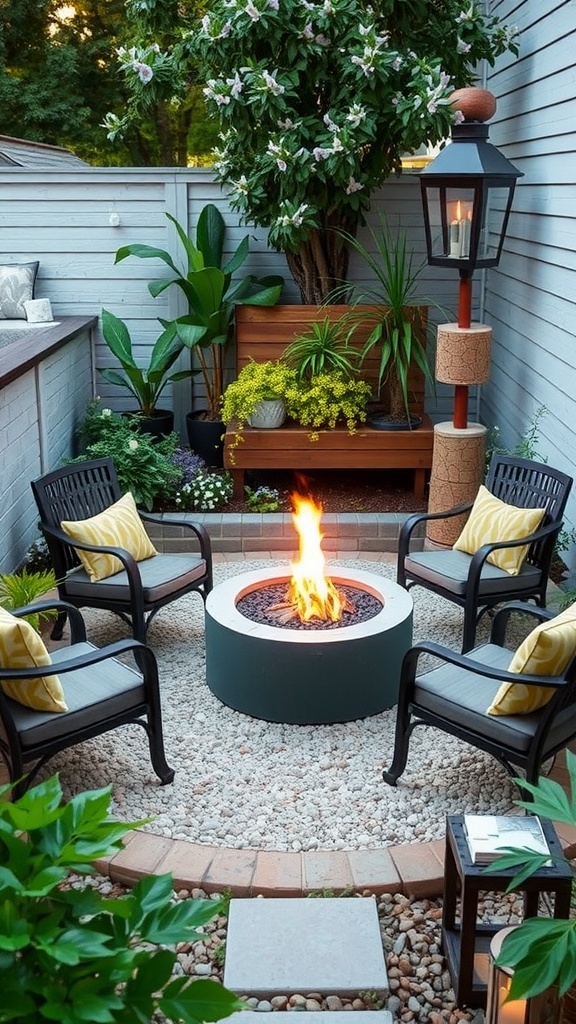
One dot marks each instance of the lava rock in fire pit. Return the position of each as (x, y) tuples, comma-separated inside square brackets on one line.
[(258, 604)]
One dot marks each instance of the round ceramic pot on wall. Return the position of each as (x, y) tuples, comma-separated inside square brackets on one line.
[(268, 414)]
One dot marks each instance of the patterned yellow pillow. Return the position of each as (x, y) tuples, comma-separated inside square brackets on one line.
[(494, 520), (546, 651), (21, 647), (118, 526)]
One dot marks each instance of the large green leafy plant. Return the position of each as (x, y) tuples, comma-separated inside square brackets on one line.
[(211, 294), (317, 104), (542, 950), (145, 384), (70, 955)]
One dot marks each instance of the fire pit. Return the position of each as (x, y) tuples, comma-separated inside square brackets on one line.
[(336, 652)]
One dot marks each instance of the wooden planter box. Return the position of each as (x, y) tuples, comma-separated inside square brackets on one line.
[(264, 333)]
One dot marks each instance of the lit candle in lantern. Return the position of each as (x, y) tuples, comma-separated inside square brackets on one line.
[(465, 236), (455, 238)]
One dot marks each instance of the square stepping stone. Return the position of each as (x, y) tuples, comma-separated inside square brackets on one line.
[(283, 946)]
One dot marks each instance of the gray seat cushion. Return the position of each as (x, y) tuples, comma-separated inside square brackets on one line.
[(92, 694), (462, 698), (449, 569), (162, 575)]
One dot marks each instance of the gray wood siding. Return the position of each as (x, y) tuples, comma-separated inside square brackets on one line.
[(62, 219), (530, 299)]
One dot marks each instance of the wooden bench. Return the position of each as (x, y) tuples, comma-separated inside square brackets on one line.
[(264, 333)]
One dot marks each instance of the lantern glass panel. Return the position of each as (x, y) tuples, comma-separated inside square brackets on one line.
[(493, 223), (450, 211)]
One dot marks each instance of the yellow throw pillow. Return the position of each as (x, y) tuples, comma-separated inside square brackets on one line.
[(546, 651), (493, 520), (118, 526), (22, 647)]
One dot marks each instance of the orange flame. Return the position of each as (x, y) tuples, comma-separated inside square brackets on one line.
[(311, 592)]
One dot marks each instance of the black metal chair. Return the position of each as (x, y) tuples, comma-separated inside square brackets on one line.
[(101, 692), (470, 580), (455, 696), (82, 490)]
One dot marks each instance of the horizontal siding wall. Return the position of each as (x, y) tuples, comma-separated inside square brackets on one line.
[(62, 218), (530, 299)]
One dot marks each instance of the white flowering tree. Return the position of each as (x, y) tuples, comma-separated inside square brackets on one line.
[(318, 101)]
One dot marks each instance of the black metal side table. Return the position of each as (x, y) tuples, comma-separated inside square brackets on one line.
[(466, 945)]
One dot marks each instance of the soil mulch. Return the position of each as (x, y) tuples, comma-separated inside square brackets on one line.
[(339, 490)]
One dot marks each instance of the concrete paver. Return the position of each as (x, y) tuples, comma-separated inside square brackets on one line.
[(278, 946)]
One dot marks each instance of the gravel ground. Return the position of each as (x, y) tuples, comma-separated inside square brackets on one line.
[(420, 985)]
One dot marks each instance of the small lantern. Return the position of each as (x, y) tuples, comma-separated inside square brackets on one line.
[(541, 1009), (467, 191)]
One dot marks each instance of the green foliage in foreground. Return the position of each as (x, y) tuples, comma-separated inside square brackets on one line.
[(542, 950), (71, 955)]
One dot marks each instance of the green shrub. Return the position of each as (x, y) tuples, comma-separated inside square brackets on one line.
[(70, 955)]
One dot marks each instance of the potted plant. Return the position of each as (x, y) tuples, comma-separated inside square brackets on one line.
[(327, 399), (395, 341), (257, 397), (323, 348), (71, 954), (542, 950), (211, 294), (18, 589), (316, 105), (145, 384)]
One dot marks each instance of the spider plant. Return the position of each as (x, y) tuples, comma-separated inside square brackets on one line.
[(21, 588), (323, 349)]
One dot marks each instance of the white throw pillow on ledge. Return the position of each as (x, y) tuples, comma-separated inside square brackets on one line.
[(17, 282)]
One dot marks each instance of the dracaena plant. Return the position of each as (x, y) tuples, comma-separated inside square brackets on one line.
[(211, 292), (69, 954)]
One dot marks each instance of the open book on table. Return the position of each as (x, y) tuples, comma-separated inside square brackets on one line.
[(488, 835)]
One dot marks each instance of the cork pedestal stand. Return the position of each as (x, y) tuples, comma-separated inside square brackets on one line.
[(462, 358)]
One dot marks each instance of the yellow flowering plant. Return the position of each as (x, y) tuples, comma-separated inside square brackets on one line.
[(327, 399), (256, 382)]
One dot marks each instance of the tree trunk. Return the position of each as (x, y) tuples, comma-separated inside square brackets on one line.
[(321, 262)]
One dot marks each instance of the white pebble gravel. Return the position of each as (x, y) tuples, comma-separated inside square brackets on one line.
[(245, 783)]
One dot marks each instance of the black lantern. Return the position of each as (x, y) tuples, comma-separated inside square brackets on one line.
[(467, 193)]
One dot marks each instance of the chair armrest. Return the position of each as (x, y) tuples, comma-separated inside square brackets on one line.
[(77, 625), (480, 556), (198, 529), (503, 615), (470, 664), (93, 657), (412, 522)]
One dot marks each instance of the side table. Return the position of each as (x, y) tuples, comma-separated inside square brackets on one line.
[(466, 944)]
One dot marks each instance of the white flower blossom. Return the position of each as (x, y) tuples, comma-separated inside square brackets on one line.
[(308, 6), (466, 15), (356, 115), (331, 126), (242, 185), (353, 186), (252, 11), (206, 24), (432, 107), (321, 153), (288, 125), (322, 40), (365, 30), (133, 444), (235, 86), (106, 412), (144, 71), (271, 84), (307, 32), (327, 7), (458, 117), (273, 5), (337, 146), (397, 63), (281, 165), (462, 47)]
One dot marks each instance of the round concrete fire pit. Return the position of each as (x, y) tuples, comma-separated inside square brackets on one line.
[(306, 677)]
